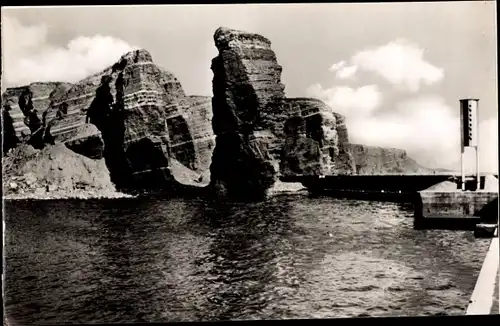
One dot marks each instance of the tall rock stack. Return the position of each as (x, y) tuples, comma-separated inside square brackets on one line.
[(155, 137), (246, 81)]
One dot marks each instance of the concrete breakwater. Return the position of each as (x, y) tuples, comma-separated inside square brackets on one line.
[(445, 203)]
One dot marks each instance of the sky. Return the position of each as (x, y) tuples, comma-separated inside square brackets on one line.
[(395, 70)]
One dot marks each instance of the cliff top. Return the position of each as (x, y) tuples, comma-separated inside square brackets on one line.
[(305, 101), (135, 56), (378, 147), (49, 84), (224, 35)]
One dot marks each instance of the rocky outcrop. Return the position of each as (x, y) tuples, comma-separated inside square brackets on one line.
[(325, 129), (199, 117), (23, 110), (246, 83), (134, 114), (378, 160), (142, 112), (54, 171), (301, 154), (136, 117), (144, 121), (88, 142), (253, 121)]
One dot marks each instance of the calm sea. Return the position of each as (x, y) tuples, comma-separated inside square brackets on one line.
[(149, 260)]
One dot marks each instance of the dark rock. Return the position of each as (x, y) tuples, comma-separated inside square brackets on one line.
[(301, 154), (25, 106), (246, 80), (327, 129), (89, 143), (377, 160), (144, 119), (10, 139)]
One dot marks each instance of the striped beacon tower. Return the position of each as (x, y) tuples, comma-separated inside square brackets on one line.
[(469, 130)]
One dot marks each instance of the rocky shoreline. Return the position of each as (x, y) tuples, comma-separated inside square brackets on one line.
[(279, 188), (67, 195)]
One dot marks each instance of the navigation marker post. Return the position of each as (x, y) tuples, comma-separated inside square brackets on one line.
[(469, 136)]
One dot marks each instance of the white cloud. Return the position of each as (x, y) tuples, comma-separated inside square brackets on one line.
[(28, 57), (425, 126), (337, 66), (347, 72), (400, 62), (488, 145), (351, 102)]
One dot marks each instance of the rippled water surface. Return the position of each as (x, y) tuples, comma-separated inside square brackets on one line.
[(175, 260)]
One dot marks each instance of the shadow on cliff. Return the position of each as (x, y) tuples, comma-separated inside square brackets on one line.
[(109, 119), (142, 167), (8, 132), (239, 168)]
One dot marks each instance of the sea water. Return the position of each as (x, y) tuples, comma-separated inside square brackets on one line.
[(293, 256)]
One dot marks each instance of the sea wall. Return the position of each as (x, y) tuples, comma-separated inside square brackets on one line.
[(446, 201)]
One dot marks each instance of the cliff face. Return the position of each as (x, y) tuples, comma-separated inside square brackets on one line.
[(199, 117), (146, 120), (246, 82), (378, 160), (323, 127), (258, 128), (134, 114), (136, 117), (23, 108)]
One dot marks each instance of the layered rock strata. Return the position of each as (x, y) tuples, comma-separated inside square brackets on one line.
[(246, 81), (199, 117), (23, 110), (152, 135), (370, 160), (326, 129), (135, 115), (251, 114), (143, 112)]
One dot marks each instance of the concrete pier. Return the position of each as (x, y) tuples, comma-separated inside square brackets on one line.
[(451, 206), (484, 299)]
